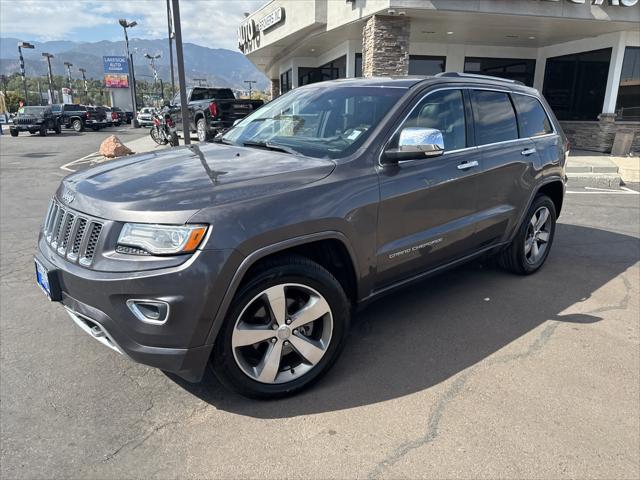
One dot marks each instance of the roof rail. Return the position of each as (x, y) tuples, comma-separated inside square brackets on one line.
[(475, 75)]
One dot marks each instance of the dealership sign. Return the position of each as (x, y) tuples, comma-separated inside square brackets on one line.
[(250, 31), (116, 72)]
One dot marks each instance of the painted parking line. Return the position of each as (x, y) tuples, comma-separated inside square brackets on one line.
[(605, 191), (67, 166)]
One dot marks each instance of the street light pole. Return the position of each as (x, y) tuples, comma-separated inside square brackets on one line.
[(169, 22), (124, 24), (84, 83), (152, 61), (186, 130), (22, 45), (69, 65), (49, 56), (250, 82)]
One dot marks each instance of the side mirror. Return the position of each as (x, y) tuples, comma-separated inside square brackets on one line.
[(415, 143)]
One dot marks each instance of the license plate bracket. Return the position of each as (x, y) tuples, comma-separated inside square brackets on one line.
[(48, 282)]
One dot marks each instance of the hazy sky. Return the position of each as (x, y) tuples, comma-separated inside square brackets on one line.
[(211, 23)]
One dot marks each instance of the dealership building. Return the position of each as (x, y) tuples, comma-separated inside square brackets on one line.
[(584, 55)]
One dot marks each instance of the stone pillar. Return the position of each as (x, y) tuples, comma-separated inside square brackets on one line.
[(275, 88), (385, 46)]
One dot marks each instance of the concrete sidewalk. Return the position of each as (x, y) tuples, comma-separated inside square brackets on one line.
[(596, 169)]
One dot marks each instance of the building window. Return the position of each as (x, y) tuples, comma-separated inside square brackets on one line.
[(329, 71), (285, 81), (520, 69), (575, 85), (628, 103), (358, 69), (426, 65)]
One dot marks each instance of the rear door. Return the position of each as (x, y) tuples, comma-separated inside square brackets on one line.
[(507, 165), (428, 208)]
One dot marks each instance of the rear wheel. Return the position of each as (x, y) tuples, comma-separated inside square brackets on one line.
[(530, 247), (202, 131), (77, 125), (58, 129), (173, 139), (285, 328), (43, 131)]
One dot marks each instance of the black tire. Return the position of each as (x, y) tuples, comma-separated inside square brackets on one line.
[(202, 131), (173, 139), (43, 131), (514, 258), (14, 133), (58, 129), (77, 125), (95, 129), (287, 269)]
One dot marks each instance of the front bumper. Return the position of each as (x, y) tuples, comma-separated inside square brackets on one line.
[(96, 301), (34, 127)]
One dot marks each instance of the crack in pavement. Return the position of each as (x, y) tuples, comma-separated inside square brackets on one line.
[(438, 411)]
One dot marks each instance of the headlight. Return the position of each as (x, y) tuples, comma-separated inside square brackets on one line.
[(161, 239)]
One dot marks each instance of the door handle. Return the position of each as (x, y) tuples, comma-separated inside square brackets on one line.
[(528, 151), (466, 165)]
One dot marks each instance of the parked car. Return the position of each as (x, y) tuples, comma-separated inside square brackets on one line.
[(211, 110), (255, 251), (71, 115), (34, 120), (120, 115), (109, 115), (145, 116)]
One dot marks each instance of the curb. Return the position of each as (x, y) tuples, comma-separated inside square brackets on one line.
[(592, 179)]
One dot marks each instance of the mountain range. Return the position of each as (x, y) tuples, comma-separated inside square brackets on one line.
[(219, 66)]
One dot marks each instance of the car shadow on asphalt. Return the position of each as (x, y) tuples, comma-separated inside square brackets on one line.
[(424, 334)]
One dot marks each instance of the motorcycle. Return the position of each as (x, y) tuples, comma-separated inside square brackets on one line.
[(163, 130)]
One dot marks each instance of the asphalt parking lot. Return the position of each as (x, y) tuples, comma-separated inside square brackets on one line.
[(473, 374)]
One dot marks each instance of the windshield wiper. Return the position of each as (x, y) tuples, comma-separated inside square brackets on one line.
[(270, 146)]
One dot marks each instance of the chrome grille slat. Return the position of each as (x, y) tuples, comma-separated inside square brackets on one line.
[(71, 234)]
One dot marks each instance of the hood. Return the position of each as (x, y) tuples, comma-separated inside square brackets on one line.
[(172, 185)]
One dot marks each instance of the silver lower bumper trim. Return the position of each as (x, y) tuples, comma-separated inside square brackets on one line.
[(94, 329)]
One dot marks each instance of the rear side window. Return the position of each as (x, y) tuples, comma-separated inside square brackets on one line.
[(495, 120), (444, 111), (531, 116)]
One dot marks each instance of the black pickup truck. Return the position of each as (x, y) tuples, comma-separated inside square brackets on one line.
[(71, 115), (211, 110)]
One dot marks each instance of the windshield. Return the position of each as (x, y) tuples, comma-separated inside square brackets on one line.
[(31, 110), (321, 122)]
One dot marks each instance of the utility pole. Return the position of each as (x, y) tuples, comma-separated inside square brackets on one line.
[(84, 82), (39, 92), (250, 82), (169, 23), (4, 80), (186, 131), (124, 24), (22, 45), (49, 56)]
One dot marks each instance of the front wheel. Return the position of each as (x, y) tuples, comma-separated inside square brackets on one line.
[(285, 328), (14, 133), (58, 129), (43, 131), (530, 247), (157, 135), (173, 139)]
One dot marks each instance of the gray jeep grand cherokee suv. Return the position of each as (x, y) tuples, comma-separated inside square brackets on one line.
[(251, 253)]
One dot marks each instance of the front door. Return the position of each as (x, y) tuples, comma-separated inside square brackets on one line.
[(427, 212)]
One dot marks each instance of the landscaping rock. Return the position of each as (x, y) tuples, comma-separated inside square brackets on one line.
[(112, 147)]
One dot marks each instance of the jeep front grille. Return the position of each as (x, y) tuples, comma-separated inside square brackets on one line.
[(71, 234)]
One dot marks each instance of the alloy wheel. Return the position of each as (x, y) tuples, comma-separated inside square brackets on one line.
[(538, 235), (282, 333)]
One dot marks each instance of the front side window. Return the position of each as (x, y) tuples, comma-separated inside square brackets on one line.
[(444, 111), (322, 122), (495, 120), (531, 116)]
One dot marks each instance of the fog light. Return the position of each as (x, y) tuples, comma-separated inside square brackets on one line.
[(155, 312)]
